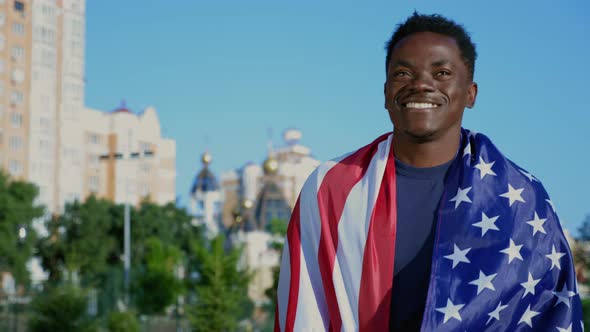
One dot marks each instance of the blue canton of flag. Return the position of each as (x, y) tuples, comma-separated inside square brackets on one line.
[(501, 260)]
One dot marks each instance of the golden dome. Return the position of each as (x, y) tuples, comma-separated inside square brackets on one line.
[(247, 203), (270, 166), (206, 158)]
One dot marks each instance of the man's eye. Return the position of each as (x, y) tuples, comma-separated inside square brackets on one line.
[(401, 74), (443, 73)]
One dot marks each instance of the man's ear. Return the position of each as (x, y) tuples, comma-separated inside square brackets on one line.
[(471, 95), (385, 93)]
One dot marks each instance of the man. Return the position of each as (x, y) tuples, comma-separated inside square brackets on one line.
[(429, 228)]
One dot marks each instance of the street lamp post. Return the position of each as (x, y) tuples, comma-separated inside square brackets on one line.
[(127, 214), (22, 236)]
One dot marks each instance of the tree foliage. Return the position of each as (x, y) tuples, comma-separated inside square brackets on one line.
[(79, 241), (87, 240), (584, 229), (158, 286), (122, 321), (278, 229), (221, 288), (17, 210), (63, 308)]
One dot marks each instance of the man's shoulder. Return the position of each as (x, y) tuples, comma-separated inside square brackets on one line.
[(516, 176), (345, 163)]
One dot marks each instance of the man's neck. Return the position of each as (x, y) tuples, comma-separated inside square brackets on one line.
[(426, 153)]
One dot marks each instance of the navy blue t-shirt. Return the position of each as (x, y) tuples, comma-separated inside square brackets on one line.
[(419, 191)]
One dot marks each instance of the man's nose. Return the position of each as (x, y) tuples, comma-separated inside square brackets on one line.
[(422, 82)]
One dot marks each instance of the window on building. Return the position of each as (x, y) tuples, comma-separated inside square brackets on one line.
[(144, 190), (93, 184), (145, 168), (18, 28), (16, 120), (18, 52), (93, 160), (15, 167), (19, 6), (18, 76), (94, 139), (45, 124), (17, 97), (15, 143), (45, 145)]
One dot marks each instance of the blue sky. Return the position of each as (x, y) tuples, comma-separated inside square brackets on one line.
[(221, 73)]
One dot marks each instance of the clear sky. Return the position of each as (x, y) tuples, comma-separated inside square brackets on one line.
[(221, 73)]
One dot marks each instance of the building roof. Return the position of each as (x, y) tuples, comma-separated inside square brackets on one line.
[(122, 108), (205, 181)]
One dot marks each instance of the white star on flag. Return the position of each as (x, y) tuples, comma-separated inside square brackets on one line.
[(485, 168), (528, 175), (450, 311), (513, 195), (551, 203), (537, 224), (563, 296), (513, 251), (458, 256), (483, 282), (568, 329), (496, 313), (461, 196), (486, 224), (527, 316), (554, 257), (529, 285)]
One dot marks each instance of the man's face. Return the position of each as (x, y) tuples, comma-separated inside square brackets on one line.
[(428, 86)]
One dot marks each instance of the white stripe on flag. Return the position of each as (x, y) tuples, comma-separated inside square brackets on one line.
[(352, 235), (283, 287), (312, 309)]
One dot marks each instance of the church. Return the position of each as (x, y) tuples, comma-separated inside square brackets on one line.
[(246, 200)]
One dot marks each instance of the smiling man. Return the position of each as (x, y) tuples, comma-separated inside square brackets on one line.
[(430, 227)]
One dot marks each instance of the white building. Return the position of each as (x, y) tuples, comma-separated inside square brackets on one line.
[(257, 194), (207, 199)]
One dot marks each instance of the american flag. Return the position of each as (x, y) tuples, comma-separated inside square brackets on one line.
[(500, 261)]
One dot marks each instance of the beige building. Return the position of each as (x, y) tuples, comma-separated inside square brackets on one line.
[(47, 136), (125, 157)]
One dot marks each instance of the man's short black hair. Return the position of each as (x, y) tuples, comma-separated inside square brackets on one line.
[(438, 24)]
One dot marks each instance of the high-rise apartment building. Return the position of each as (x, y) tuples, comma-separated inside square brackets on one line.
[(46, 134)]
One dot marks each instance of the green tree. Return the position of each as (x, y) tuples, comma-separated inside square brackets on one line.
[(584, 229), (158, 286), (221, 289), (17, 211), (122, 322), (169, 223), (79, 242), (63, 309), (278, 229)]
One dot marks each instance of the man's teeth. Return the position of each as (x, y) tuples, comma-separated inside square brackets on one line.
[(421, 105)]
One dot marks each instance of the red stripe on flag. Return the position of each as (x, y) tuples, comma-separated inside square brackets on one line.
[(377, 274), (277, 327), (334, 189), (294, 238)]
